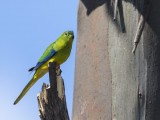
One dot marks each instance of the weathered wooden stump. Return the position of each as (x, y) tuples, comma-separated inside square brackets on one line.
[(52, 100)]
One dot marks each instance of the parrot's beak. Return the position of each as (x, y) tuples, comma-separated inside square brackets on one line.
[(71, 33), (73, 36)]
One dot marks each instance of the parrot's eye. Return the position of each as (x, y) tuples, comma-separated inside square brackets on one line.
[(66, 34)]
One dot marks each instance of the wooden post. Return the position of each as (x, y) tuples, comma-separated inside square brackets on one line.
[(111, 83), (52, 100)]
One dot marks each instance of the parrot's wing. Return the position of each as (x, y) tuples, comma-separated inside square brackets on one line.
[(44, 58)]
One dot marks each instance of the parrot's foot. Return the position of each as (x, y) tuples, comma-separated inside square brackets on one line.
[(59, 71), (57, 67)]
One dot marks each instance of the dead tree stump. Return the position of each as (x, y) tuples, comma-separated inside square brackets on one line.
[(52, 100)]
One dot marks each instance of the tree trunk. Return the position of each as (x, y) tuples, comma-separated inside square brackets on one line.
[(110, 81)]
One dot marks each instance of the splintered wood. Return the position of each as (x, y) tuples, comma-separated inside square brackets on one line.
[(138, 33), (141, 25), (115, 9), (52, 100)]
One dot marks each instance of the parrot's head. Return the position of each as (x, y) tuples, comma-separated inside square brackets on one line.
[(68, 36)]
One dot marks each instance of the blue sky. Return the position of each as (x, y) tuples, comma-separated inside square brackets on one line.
[(27, 27)]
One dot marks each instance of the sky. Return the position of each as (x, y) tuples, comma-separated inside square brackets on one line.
[(27, 27)]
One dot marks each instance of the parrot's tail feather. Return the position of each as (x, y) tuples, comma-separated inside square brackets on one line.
[(25, 90), (37, 75), (31, 69)]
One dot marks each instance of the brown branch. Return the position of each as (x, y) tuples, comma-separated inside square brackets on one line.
[(52, 100)]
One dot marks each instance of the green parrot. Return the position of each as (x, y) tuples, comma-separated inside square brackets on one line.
[(57, 52)]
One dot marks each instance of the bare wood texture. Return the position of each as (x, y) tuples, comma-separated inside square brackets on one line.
[(92, 89), (51, 100), (110, 82)]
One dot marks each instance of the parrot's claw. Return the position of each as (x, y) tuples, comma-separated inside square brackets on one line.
[(59, 71)]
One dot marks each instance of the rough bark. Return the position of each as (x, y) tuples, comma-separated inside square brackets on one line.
[(51, 100), (110, 81)]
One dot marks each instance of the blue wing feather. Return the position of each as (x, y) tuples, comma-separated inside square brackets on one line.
[(52, 52)]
